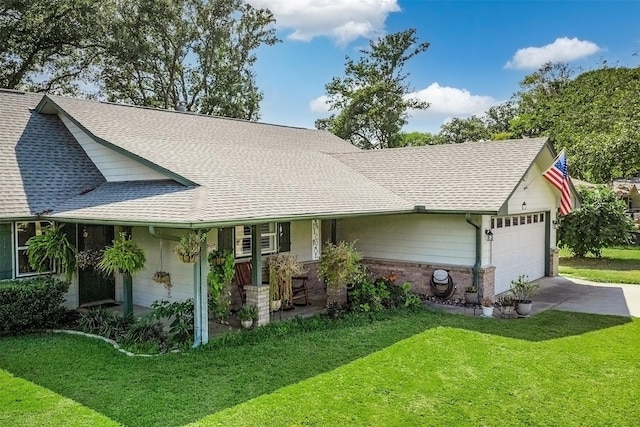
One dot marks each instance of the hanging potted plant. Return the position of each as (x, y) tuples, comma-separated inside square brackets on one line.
[(164, 278), (188, 248), (282, 268), (247, 315), (52, 250), (487, 307), (126, 257)]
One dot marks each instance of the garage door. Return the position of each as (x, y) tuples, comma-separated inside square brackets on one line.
[(518, 248)]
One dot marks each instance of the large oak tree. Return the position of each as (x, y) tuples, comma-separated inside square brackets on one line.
[(371, 100)]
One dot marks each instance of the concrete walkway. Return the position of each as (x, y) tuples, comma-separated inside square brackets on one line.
[(560, 293)]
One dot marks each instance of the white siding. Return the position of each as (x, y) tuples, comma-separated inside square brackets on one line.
[(301, 240), (536, 191), (439, 239), (113, 166), (145, 290)]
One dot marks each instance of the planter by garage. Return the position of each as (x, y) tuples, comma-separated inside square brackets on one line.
[(471, 297), (523, 308)]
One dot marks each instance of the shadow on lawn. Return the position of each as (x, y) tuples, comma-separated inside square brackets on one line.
[(180, 388)]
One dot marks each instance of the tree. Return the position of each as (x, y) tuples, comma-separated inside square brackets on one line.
[(414, 139), (201, 53), (49, 45), (464, 130), (371, 99), (601, 221)]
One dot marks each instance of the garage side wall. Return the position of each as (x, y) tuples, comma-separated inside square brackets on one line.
[(420, 238)]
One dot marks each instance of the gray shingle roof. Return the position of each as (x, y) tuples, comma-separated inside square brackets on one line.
[(244, 171), (41, 164), (475, 176)]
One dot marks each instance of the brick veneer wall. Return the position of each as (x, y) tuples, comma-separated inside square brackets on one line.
[(554, 261), (419, 275)]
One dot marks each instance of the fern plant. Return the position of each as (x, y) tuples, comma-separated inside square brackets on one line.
[(50, 250), (188, 248), (124, 256)]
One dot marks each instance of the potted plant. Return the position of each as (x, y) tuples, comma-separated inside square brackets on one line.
[(339, 265), (507, 302), (471, 295), (164, 278), (247, 315), (275, 298), (487, 307), (125, 257), (52, 250), (282, 268), (188, 248), (221, 272), (523, 292), (89, 258)]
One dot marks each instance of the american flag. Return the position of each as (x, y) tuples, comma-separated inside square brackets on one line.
[(558, 176)]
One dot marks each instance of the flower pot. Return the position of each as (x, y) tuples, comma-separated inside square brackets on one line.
[(246, 323), (487, 311), (275, 305), (187, 259), (471, 297), (523, 308)]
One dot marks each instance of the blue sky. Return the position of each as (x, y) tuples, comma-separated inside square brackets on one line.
[(479, 50)]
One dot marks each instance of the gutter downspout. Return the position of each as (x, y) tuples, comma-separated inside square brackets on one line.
[(476, 266)]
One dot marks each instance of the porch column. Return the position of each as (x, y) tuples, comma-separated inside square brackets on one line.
[(200, 301), (257, 294)]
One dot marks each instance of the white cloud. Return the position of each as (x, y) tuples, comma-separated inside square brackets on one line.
[(319, 105), (341, 20), (562, 49), (451, 101)]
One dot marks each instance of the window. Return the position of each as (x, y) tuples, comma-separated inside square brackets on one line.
[(515, 220), (25, 231), (541, 217), (499, 222), (507, 222), (268, 239)]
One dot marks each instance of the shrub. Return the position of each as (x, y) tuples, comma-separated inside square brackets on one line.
[(339, 264), (31, 304), (382, 293), (335, 310), (148, 332), (600, 222), (105, 323), (181, 313)]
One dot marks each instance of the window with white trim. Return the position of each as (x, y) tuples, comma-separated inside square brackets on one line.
[(268, 239), (25, 231)]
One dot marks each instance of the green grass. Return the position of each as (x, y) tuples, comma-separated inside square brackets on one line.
[(417, 368), (617, 265)]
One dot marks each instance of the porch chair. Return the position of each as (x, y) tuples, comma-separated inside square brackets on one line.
[(242, 278), (299, 290)]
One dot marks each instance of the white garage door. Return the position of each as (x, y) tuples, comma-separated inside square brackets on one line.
[(518, 248)]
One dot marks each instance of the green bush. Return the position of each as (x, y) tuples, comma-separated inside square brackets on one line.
[(600, 222), (381, 293), (31, 304), (105, 323)]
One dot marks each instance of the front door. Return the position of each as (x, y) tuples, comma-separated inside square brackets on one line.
[(92, 284)]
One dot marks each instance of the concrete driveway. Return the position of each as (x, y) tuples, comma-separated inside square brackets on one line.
[(559, 293)]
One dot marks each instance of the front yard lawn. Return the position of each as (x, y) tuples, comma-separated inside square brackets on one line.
[(416, 368), (617, 265)]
